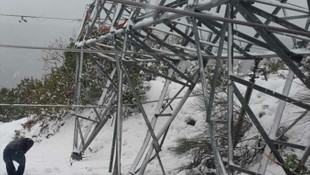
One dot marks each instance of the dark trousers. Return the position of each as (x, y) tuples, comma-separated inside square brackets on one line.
[(19, 157)]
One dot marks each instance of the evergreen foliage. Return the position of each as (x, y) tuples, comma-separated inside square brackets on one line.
[(58, 86), (292, 163), (198, 146), (274, 65)]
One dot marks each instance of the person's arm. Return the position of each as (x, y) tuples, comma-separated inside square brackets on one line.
[(26, 144)]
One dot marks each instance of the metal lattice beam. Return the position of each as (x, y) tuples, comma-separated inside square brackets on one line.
[(143, 30)]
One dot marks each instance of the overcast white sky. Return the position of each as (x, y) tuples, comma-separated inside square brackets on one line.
[(18, 63)]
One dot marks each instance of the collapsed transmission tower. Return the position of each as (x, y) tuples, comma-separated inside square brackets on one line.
[(132, 33)]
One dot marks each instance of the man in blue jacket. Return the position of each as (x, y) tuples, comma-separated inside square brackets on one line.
[(16, 151)]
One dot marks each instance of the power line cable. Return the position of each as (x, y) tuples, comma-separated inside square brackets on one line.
[(127, 52), (82, 50), (40, 17)]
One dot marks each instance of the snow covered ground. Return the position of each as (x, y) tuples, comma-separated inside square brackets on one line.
[(266, 106), (52, 155)]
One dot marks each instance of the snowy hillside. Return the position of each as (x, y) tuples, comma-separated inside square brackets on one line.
[(52, 155), (266, 106)]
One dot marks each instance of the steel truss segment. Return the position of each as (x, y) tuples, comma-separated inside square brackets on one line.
[(161, 75), (230, 100), (86, 20), (160, 162), (80, 134), (240, 34), (113, 147), (119, 114), (187, 13), (291, 145), (242, 51), (207, 16), (91, 132), (139, 104), (258, 126), (110, 81), (100, 125), (267, 22), (187, 37), (108, 15), (96, 16), (237, 33), (77, 94), (162, 43), (164, 59), (220, 168), (282, 5), (275, 19), (168, 104), (277, 119), (270, 92), (162, 133), (153, 123), (143, 24), (85, 118), (292, 124), (201, 64), (305, 156), (295, 17), (273, 42), (292, 36), (165, 128)]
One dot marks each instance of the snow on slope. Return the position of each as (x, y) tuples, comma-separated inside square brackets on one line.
[(52, 156), (267, 106)]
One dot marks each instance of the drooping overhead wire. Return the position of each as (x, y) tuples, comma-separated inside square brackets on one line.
[(41, 17), (265, 55)]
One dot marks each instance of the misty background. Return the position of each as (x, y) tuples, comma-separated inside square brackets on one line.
[(15, 64)]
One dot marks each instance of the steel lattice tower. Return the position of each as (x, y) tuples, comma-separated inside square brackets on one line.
[(120, 31)]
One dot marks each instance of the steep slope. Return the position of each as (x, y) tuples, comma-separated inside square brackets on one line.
[(52, 155)]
